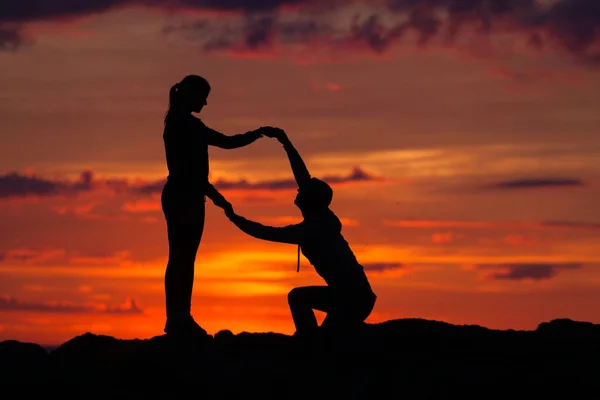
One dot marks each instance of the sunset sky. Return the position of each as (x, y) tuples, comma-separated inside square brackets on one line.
[(461, 138)]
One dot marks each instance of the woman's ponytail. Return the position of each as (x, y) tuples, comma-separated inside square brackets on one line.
[(174, 97)]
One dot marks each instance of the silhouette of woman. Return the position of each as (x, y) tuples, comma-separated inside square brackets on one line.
[(186, 141)]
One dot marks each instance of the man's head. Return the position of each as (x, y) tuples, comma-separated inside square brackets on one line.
[(314, 195)]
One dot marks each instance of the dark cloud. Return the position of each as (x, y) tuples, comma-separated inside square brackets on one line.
[(382, 267), (259, 33), (54, 256), (150, 188), (32, 256), (573, 225), (16, 185), (230, 5), (252, 32), (10, 39), (24, 11), (539, 183), (532, 271), (36, 10), (495, 225), (243, 184), (570, 25), (129, 307), (357, 175), (8, 303), (372, 33), (574, 23)]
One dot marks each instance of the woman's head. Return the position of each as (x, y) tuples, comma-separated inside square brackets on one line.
[(315, 195), (189, 95)]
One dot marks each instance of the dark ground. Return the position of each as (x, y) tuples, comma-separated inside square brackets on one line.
[(399, 359)]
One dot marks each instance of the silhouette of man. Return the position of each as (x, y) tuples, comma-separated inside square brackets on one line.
[(348, 298)]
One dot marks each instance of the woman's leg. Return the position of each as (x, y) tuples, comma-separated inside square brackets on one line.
[(184, 235), (184, 240), (303, 300)]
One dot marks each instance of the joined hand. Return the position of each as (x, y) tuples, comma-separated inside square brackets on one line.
[(272, 132), (221, 202), (228, 208)]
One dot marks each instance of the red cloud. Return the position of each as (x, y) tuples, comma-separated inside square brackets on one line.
[(327, 86), (441, 238)]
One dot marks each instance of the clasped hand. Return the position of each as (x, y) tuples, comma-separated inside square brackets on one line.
[(225, 205), (267, 131), (272, 132)]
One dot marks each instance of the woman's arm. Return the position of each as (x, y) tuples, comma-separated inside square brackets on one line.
[(217, 198), (218, 139)]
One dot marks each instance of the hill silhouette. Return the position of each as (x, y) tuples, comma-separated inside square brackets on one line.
[(406, 358)]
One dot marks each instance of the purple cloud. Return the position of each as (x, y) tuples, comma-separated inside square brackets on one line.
[(16, 185), (573, 225), (357, 175), (36, 10), (10, 39), (539, 183), (526, 271), (569, 25), (382, 266), (8, 303)]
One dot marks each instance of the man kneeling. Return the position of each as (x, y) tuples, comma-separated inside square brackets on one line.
[(348, 298)]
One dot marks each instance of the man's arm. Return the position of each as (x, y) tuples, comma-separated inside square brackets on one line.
[(218, 139), (298, 167), (291, 234)]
